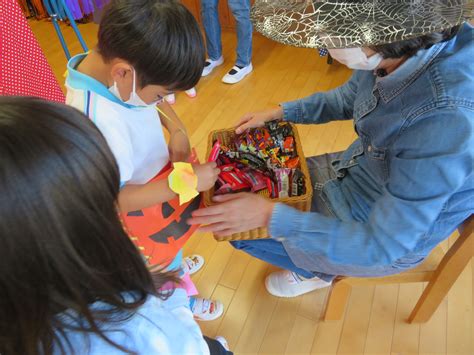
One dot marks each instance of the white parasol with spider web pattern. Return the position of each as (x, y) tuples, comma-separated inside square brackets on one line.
[(355, 23)]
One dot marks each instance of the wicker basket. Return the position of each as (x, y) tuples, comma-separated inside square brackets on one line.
[(302, 202)]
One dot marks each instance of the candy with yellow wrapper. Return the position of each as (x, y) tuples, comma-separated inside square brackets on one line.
[(183, 181)]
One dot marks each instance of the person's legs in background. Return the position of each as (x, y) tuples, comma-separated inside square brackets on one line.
[(243, 65), (212, 29), (241, 12)]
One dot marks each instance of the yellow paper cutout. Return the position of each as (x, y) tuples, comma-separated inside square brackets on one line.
[(161, 112), (183, 181)]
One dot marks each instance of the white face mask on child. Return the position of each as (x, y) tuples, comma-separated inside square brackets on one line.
[(355, 58), (134, 99)]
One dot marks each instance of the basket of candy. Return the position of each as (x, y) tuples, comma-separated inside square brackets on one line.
[(268, 161)]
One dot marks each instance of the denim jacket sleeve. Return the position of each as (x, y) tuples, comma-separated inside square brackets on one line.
[(434, 159), (336, 104)]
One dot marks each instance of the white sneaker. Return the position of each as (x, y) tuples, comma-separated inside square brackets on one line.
[(192, 264), (205, 309), (223, 342), (289, 284), (171, 99), (210, 65), (191, 92), (236, 74)]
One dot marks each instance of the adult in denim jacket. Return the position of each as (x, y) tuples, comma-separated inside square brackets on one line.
[(400, 189)]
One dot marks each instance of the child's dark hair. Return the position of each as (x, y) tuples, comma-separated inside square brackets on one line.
[(160, 38), (62, 245)]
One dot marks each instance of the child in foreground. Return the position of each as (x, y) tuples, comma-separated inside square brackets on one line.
[(146, 50), (72, 281)]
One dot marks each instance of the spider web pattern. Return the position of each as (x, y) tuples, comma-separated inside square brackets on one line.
[(352, 23)]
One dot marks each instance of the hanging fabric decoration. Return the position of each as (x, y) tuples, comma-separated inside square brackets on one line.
[(37, 7), (23, 66), (44, 8)]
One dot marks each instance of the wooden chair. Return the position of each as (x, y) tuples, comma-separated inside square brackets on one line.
[(439, 270)]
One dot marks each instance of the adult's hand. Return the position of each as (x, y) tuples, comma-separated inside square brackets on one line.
[(258, 119), (234, 213)]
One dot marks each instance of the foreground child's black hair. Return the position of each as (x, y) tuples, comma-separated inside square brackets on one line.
[(62, 245), (160, 38)]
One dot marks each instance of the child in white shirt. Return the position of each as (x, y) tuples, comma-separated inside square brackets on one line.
[(146, 50)]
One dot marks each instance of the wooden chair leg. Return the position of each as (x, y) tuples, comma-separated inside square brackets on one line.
[(337, 299), (454, 262)]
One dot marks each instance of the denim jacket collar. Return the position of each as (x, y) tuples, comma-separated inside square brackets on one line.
[(392, 85)]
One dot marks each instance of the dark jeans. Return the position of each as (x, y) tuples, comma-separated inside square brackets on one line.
[(216, 348)]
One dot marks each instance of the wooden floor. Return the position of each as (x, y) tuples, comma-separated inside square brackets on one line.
[(255, 322)]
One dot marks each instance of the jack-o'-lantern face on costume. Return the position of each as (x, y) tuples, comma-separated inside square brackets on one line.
[(165, 231), (160, 231)]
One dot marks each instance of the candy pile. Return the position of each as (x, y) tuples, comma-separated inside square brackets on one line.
[(260, 158)]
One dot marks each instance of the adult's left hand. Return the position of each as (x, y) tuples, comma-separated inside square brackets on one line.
[(234, 213)]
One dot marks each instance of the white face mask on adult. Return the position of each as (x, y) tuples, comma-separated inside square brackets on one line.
[(355, 58), (134, 99)]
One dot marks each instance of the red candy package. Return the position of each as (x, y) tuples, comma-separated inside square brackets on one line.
[(257, 180), (215, 151), (292, 163), (289, 144), (272, 188), (231, 175)]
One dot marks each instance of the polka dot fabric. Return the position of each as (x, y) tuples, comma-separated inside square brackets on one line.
[(23, 66)]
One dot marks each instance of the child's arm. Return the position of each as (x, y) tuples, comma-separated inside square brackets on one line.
[(179, 145), (137, 197)]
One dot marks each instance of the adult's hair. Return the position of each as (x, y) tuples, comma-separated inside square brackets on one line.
[(62, 245), (160, 38), (410, 47)]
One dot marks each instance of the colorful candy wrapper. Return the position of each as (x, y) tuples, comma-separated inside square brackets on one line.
[(272, 188), (215, 151), (297, 183), (256, 180), (234, 177), (272, 125), (292, 163), (253, 161), (289, 144), (229, 153), (283, 159), (283, 182)]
